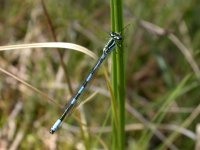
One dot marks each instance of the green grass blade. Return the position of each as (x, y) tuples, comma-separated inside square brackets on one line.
[(178, 91), (118, 79)]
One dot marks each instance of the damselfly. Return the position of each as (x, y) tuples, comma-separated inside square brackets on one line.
[(114, 39)]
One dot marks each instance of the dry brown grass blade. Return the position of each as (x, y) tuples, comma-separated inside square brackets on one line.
[(185, 124), (149, 125), (43, 45), (29, 86), (174, 39), (64, 45)]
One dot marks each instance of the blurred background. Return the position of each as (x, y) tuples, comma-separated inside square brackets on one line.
[(162, 48)]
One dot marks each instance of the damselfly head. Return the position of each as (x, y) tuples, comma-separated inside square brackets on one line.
[(116, 36)]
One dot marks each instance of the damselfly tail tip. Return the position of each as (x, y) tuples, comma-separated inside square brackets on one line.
[(52, 131), (55, 126)]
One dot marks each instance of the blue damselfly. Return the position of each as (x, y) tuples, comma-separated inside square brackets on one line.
[(114, 39)]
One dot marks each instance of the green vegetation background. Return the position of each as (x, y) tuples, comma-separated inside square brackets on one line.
[(162, 48)]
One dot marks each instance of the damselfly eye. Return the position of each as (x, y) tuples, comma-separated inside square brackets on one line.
[(116, 36)]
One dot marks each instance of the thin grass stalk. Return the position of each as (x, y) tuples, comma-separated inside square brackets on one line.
[(177, 92), (118, 79), (81, 116), (114, 85), (53, 34)]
